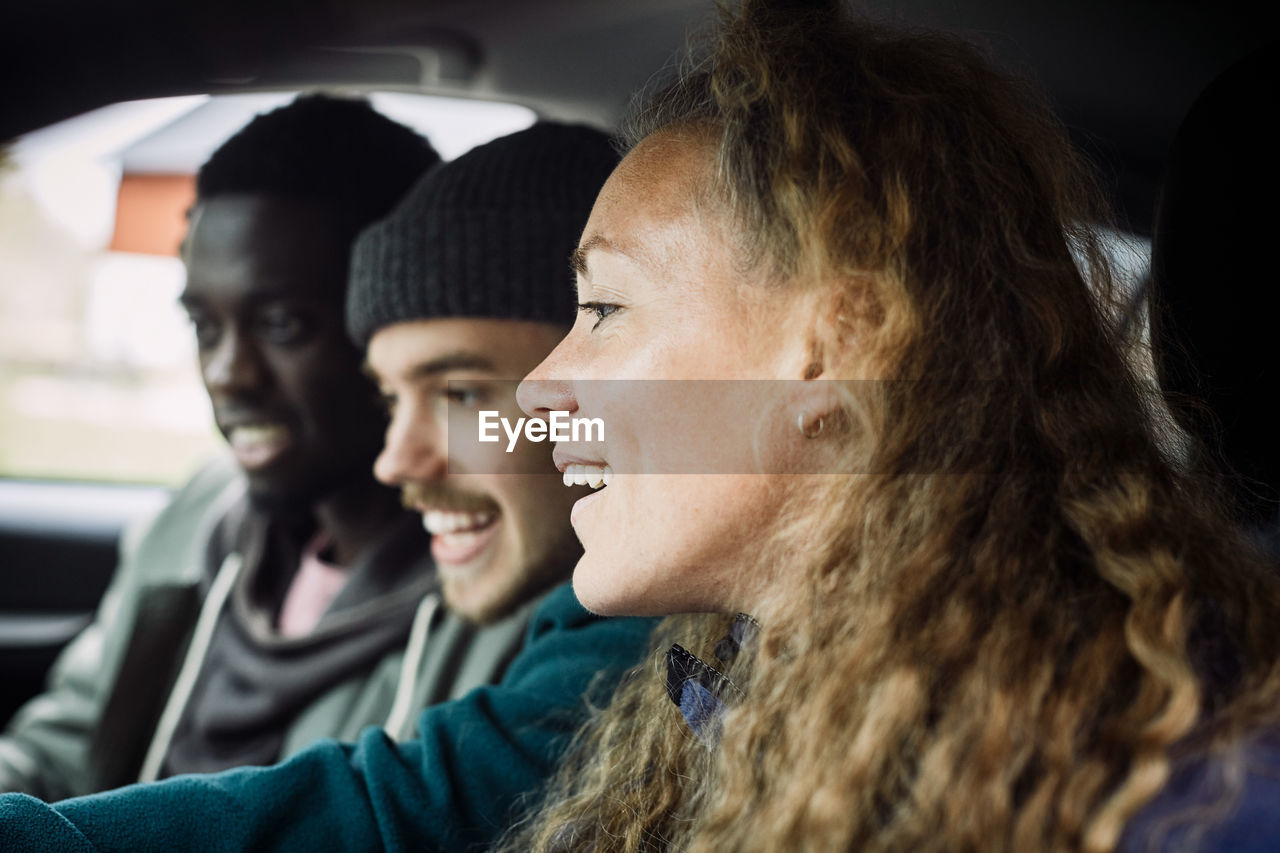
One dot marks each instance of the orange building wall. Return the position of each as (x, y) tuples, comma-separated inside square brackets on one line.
[(151, 213)]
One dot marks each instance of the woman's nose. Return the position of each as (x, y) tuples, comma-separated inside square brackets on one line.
[(538, 397), (540, 392)]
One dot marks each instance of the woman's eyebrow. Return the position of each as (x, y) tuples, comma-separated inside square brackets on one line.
[(599, 242), (578, 259)]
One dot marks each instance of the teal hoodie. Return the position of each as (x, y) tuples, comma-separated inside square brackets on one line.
[(453, 788)]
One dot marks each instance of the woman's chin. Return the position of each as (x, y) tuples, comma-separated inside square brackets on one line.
[(600, 587), (600, 592), (596, 593)]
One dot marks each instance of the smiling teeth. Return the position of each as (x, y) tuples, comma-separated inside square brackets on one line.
[(441, 523), (594, 476), (243, 436)]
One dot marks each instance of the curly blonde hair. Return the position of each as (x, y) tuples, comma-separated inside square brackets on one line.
[(1022, 617)]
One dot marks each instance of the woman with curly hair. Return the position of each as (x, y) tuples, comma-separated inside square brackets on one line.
[(1010, 621)]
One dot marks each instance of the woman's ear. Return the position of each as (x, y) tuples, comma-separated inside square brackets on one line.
[(816, 406), (814, 400), (840, 317), (828, 333), (844, 324)]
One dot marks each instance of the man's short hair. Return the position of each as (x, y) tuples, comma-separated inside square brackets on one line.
[(335, 150)]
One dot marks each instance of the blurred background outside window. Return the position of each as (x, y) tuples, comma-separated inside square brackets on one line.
[(98, 375)]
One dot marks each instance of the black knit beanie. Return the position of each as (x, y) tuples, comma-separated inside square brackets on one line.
[(486, 235)]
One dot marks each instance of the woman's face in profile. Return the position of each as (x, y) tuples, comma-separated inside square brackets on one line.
[(664, 297)]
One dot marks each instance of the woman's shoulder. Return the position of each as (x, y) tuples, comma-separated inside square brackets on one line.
[(1225, 801)]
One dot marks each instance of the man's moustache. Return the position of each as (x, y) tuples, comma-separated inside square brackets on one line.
[(415, 495)]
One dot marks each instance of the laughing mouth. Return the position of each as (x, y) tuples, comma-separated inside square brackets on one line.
[(594, 476), (257, 445), (439, 522), (458, 538)]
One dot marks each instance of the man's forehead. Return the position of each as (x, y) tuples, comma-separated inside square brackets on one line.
[(265, 246), (425, 347), (243, 222)]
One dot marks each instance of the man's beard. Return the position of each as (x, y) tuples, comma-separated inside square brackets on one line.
[(529, 582), (532, 582)]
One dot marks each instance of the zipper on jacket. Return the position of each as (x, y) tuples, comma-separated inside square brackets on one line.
[(402, 706), (186, 682)]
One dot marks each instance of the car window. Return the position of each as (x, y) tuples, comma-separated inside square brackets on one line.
[(98, 378)]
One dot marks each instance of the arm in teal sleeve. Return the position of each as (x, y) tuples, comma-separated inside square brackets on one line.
[(453, 787)]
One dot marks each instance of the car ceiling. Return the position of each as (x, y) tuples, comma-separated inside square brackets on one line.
[(1122, 74)]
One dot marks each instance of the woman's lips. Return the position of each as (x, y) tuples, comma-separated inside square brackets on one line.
[(580, 504), (582, 472)]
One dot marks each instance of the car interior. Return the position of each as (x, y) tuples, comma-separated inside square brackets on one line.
[(151, 88)]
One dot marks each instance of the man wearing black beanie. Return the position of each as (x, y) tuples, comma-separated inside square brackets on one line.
[(457, 295)]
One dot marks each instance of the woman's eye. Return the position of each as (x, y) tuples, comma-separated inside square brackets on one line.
[(388, 401), (600, 309)]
